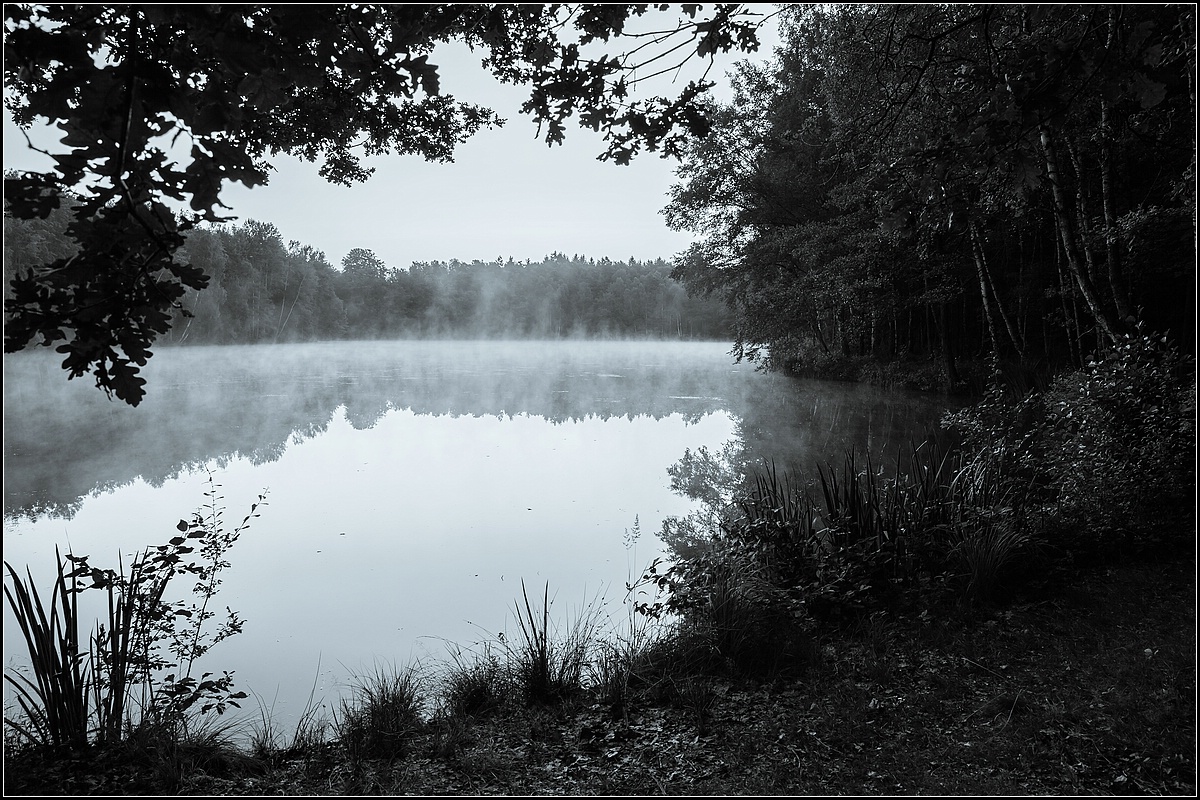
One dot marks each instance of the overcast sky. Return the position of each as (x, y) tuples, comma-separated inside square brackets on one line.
[(506, 194)]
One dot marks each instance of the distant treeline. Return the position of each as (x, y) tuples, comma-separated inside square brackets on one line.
[(263, 290)]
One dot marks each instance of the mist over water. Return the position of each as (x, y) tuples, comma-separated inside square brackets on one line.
[(411, 485)]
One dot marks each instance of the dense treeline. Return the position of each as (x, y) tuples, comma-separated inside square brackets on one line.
[(262, 290), (949, 183), (907, 191)]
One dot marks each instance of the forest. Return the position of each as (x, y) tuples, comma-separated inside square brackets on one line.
[(951, 182), (262, 290)]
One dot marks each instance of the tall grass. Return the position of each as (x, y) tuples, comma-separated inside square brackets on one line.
[(99, 694), (266, 739), (621, 661), (547, 668), (472, 683)]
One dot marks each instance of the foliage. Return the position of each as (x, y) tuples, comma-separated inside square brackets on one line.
[(1128, 423), (1107, 452), (936, 182), (77, 695), (244, 83)]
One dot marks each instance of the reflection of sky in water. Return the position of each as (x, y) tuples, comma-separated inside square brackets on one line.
[(421, 526), (411, 487)]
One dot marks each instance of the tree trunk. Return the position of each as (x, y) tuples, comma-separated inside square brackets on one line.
[(948, 367), (1066, 227), (1082, 217), (984, 273), (987, 307), (1070, 323), (1112, 240)]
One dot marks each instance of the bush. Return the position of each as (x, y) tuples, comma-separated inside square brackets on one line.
[(1122, 440), (1105, 455)]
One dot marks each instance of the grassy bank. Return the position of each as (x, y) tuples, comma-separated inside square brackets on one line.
[(1084, 684)]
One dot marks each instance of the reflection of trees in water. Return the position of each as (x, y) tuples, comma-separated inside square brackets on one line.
[(821, 421), (252, 402), (794, 432)]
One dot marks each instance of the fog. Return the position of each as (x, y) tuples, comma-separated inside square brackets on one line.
[(65, 440)]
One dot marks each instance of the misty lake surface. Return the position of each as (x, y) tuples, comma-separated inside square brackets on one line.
[(411, 486)]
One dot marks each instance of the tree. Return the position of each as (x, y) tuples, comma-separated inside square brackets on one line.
[(243, 83), (963, 178)]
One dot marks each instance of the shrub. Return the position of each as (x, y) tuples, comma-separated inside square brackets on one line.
[(1105, 454), (1122, 439), (80, 694)]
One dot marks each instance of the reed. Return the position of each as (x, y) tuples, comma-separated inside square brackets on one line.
[(55, 700), (545, 668)]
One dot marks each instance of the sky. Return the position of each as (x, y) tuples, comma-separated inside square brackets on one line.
[(507, 194)]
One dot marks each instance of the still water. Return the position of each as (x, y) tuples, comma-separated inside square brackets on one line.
[(411, 486)]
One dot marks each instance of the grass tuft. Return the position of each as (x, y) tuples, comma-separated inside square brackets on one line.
[(472, 684), (383, 713), (547, 669)]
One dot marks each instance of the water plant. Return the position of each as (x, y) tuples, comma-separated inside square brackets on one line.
[(55, 700), (136, 668)]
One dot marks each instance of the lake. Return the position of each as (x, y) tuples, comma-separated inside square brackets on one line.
[(411, 486)]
